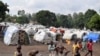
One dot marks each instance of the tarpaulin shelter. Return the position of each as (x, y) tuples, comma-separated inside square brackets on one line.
[(44, 36), (94, 36), (13, 34)]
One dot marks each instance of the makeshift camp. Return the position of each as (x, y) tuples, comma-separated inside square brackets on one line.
[(23, 37), (42, 36), (13, 34), (69, 35), (80, 33), (30, 31), (94, 36), (74, 34)]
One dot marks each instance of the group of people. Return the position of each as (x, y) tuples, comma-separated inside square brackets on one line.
[(80, 46), (77, 47), (57, 49), (19, 53)]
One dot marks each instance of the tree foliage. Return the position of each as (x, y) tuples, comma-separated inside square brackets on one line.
[(3, 9), (22, 19), (75, 17), (88, 14), (64, 20), (94, 23), (80, 20), (89, 19), (46, 17)]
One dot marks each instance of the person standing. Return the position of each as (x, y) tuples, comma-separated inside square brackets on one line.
[(75, 45), (18, 51), (51, 48), (77, 53), (90, 47), (84, 41), (79, 43)]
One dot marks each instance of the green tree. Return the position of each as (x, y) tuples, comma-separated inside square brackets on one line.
[(80, 20), (65, 20), (21, 12), (3, 9), (22, 18), (8, 18), (74, 19), (88, 14), (58, 21), (46, 17), (70, 21), (94, 23)]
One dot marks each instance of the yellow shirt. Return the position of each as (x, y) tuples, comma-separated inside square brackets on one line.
[(74, 47)]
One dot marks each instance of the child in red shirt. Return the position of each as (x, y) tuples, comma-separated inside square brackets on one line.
[(89, 47)]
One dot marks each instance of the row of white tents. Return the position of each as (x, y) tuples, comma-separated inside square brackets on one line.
[(39, 33)]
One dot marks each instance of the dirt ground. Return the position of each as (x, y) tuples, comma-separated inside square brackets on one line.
[(9, 50)]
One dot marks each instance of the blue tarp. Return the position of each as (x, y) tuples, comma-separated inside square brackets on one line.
[(93, 36)]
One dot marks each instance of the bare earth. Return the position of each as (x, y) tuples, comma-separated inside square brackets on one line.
[(9, 50)]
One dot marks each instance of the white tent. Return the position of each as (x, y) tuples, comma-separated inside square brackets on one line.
[(30, 31), (69, 34), (8, 39), (42, 36), (12, 35)]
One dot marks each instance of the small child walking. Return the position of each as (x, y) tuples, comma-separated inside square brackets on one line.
[(75, 45), (51, 48), (77, 53), (90, 48), (18, 51)]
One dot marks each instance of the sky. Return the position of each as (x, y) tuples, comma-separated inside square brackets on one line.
[(56, 6)]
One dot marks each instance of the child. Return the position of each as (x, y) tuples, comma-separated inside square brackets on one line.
[(79, 44), (84, 41), (60, 50), (77, 53), (51, 48), (18, 52), (89, 47), (75, 45)]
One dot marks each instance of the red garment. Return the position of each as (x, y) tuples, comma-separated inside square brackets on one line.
[(89, 46), (62, 31), (80, 46)]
